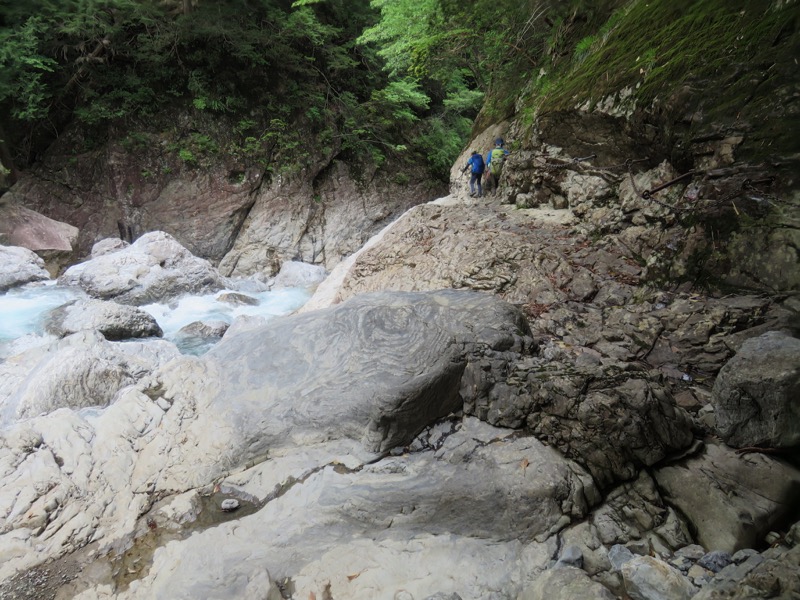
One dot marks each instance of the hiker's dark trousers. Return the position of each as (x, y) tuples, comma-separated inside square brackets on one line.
[(475, 177)]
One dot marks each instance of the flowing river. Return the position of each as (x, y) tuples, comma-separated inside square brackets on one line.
[(23, 311)]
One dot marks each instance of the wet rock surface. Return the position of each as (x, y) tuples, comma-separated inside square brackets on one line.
[(19, 266), (114, 321)]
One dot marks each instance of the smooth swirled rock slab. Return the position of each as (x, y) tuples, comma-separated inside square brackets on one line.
[(376, 369), (364, 376)]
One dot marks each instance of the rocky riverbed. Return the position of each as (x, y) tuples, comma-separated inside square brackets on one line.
[(521, 413)]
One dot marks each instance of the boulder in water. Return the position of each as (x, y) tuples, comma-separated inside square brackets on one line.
[(155, 268), (114, 321), (19, 266)]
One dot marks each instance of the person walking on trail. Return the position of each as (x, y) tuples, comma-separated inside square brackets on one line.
[(495, 159), (475, 163)]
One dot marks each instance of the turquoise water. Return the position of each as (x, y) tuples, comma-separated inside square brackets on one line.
[(207, 308), (23, 310)]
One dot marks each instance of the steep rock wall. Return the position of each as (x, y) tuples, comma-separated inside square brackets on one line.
[(706, 90), (129, 183)]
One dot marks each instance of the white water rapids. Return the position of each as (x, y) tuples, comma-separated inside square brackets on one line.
[(24, 309)]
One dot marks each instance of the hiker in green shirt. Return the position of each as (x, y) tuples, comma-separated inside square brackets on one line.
[(495, 159)]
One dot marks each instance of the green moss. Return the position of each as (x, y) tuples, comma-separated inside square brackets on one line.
[(583, 48), (724, 60), (662, 44)]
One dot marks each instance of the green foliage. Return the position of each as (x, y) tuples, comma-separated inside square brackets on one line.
[(402, 179), (380, 80), (23, 70), (135, 142), (658, 45), (441, 140), (187, 156), (398, 101), (584, 47)]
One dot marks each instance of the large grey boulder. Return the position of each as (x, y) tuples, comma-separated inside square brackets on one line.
[(377, 369), (18, 266), (732, 501), (565, 583), (51, 239), (114, 321), (154, 268), (757, 393)]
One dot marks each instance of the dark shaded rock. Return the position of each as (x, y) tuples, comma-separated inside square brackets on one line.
[(612, 424), (197, 337), (773, 574), (732, 501), (635, 515), (204, 329), (572, 556), (757, 394), (715, 561), (237, 299)]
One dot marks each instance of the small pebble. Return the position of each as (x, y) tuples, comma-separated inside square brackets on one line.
[(772, 537), (229, 504)]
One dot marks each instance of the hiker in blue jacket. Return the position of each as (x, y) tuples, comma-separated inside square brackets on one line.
[(495, 159), (475, 163)]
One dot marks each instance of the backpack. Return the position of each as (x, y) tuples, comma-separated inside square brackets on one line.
[(498, 157), (477, 164)]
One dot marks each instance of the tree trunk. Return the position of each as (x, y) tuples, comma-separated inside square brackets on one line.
[(187, 6), (7, 161)]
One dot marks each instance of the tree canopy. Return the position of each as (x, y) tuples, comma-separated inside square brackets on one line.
[(382, 78)]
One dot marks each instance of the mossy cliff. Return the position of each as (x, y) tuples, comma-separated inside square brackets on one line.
[(709, 87)]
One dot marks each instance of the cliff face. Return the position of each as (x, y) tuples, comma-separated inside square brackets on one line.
[(707, 89), (226, 208)]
